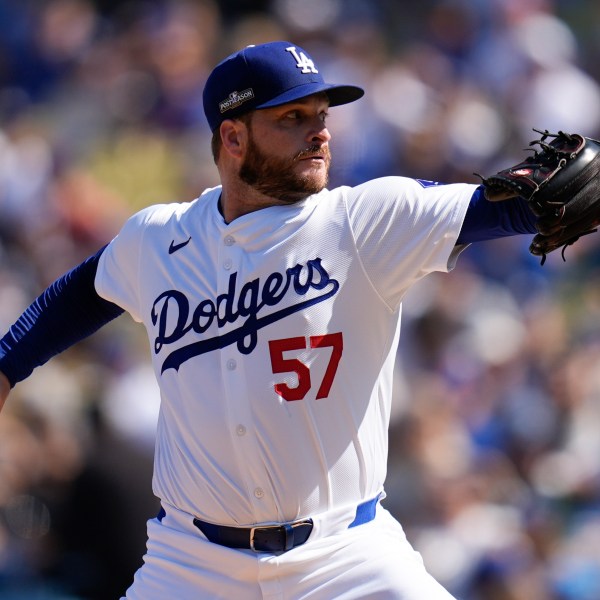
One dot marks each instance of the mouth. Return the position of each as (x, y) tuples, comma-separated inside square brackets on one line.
[(311, 154)]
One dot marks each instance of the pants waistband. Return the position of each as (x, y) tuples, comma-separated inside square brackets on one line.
[(285, 536)]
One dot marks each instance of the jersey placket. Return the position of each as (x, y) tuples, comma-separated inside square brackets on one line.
[(235, 388)]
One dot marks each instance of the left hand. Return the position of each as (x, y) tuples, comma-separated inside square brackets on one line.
[(561, 185)]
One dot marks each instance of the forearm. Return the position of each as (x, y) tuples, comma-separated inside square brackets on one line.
[(4, 389), (66, 312), (491, 220)]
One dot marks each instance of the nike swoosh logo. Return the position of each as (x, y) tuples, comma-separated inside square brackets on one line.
[(174, 247)]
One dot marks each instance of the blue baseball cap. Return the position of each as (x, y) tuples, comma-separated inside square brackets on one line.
[(267, 75)]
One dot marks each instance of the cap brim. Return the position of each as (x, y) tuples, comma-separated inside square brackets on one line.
[(338, 94)]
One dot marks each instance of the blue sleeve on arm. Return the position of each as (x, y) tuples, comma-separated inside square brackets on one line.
[(490, 220), (68, 311)]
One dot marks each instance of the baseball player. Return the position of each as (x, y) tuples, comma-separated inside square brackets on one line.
[(272, 306)]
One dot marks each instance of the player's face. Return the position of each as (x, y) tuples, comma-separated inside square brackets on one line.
[(287, 155)]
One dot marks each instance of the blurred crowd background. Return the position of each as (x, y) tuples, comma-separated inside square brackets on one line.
[(494, 465)]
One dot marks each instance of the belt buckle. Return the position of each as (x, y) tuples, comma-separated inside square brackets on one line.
[(263, 527)]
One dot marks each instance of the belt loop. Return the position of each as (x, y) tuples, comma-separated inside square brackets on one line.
[(289, 536)]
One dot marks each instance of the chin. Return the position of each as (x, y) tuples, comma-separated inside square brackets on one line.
[(315, 185), (315, 177)]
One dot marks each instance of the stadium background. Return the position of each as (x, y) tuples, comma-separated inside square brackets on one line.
[(495, 442)]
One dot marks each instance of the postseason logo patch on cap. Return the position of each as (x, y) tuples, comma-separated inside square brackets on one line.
[(235, 99)]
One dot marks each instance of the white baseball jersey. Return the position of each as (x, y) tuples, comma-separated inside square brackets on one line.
[(273, 340)]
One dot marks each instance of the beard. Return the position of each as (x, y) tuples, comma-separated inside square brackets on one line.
[(274, 176)]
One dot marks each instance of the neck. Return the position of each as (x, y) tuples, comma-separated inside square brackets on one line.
[(238, 199)]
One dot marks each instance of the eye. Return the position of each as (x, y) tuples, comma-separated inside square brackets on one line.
[(324, 116), (292, 115)]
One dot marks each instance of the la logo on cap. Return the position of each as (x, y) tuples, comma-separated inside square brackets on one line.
[(302, 61)]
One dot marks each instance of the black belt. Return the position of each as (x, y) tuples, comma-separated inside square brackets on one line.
[(275, 538), (262, 538)]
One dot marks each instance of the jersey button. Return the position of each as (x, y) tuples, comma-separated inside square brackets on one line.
[(259, 493), (229, 240), (227, 264), (240, 430), (231, 364)]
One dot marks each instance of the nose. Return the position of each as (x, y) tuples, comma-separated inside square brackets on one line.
[(319, 133)]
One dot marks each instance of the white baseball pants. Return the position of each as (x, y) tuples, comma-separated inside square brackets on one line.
[(373, 561)]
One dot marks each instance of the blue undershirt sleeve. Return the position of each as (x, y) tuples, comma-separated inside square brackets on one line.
[(68, 311), (486, 220)]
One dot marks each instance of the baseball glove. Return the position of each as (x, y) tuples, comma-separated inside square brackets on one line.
[(561, 185)]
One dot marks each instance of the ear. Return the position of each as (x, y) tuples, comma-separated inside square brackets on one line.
[(234, 136)]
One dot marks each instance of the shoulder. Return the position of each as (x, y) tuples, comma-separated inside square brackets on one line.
[(395, 187), (402, 204), (406, 193), (158, 215), (380, 191)]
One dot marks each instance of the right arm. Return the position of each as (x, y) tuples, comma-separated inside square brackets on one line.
[(4, 389), (68, 311)]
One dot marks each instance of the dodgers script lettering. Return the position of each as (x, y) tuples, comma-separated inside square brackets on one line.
[(173, 316)]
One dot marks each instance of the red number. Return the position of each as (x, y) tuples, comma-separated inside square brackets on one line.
[(293, 365), (336, 341), (290, 365)]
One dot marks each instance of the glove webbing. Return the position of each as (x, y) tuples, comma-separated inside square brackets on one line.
[(573, 185), (582, 200)]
